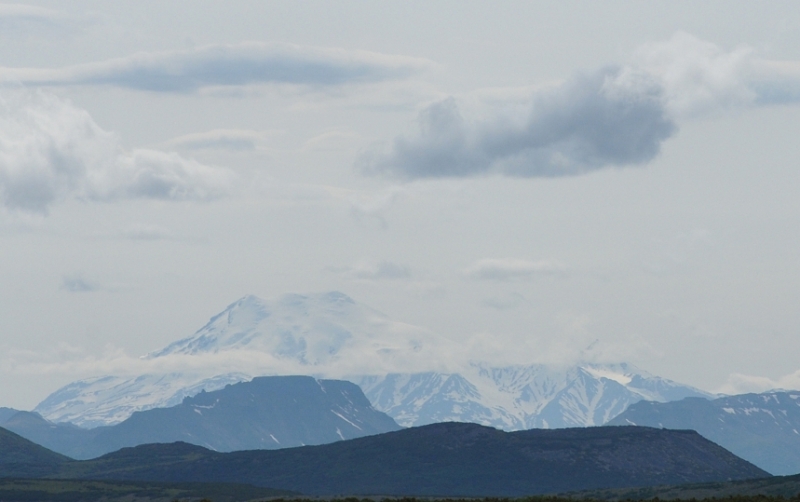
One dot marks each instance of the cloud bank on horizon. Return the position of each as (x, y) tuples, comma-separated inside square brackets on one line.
[(619, 115)]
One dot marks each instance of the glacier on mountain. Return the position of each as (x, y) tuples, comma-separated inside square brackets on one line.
[(413, 374), (109, 400)]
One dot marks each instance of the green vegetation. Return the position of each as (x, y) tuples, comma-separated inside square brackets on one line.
[(544, 498), (57, 490), (52, 490), (759, 490)]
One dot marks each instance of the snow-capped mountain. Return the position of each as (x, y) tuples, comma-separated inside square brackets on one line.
[(519, 397), (761, 428), (319, 331), (323, 334), (414, 375)]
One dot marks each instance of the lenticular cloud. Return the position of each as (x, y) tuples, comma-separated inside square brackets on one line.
[(51, 150), (241, 64)]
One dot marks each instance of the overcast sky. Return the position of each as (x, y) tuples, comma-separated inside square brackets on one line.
[(553, 181)]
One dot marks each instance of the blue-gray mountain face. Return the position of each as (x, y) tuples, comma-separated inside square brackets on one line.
[(331, 334), (761, 428), (6, 413), (266, 413)]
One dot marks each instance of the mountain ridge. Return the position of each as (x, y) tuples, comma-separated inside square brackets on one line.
[(519, 397)]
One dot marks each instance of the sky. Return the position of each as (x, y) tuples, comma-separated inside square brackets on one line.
[(548, 182)]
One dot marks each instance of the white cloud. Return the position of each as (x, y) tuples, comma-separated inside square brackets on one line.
[(51, 150), (699, 77), (436, 355), (509, 269), (241, 64), (738, 383)]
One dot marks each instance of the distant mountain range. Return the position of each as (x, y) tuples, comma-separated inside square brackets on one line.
[(762, 428), (519, 397), (448, 459), (330, 333), (266, 413)]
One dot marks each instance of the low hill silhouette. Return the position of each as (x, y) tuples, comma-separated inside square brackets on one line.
[(447, 459)]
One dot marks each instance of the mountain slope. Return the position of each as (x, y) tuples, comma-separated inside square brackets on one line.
[(266, 413), (20, 457), (6, 413), (65, 438), (448, 459), (762, 428)]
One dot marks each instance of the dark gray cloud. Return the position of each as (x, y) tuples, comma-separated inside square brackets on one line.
[(612, 117), (227, 65)]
